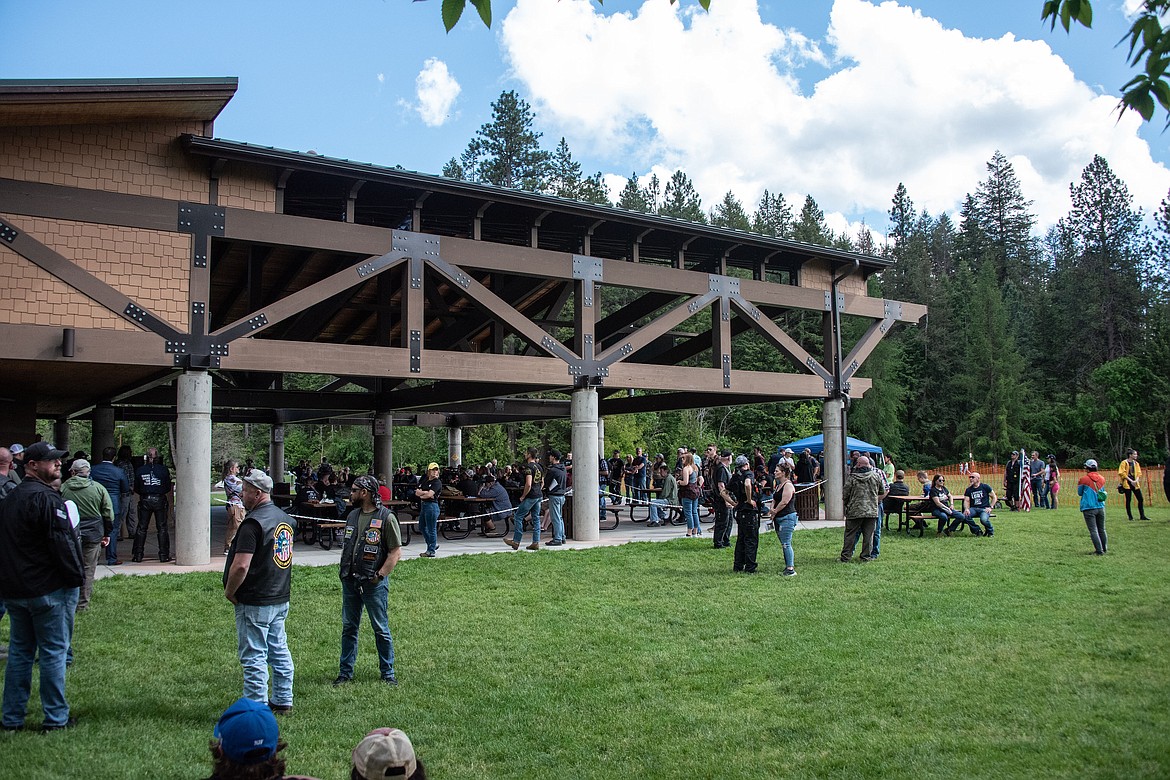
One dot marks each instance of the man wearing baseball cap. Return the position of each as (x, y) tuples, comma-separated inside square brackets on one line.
[(386, 753), (41, 570), (372, 547), (428, 491), (257, 580)]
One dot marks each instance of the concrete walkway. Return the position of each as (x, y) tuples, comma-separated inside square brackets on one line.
[(313, 555)]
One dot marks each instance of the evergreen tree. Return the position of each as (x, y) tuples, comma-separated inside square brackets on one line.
[(593, 190), (1110, 237), (993, 385), (632, 196), (652, 194), (810, 227), (1006, 224), (453, 170), (564, 179), (681, 200), (506, 151), (773, 217), (730, 214)]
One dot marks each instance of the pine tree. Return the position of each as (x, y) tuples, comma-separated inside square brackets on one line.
[(453, 170), (632, 196), (810, 227), (652, 194), (564, 179), (593, 190), (681, 200), (773, 217), (1110, 236), (1006, 224), (730, 214), (506, 151)]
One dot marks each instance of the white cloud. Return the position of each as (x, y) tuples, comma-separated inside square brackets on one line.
[(436, 90), (907, 101), (381, 78)]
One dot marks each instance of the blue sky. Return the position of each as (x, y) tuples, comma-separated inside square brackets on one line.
[(842, 99)]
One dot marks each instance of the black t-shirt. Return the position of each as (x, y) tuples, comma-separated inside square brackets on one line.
[(435, 484), (980, 496), (534, 470), (248, 538)]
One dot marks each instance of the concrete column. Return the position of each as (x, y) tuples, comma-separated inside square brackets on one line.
[(192, 542), (455, 446), (61, 435), (833, 423), (600, 436), (384, 445), (586, 514), (276, 453), (103, 431)]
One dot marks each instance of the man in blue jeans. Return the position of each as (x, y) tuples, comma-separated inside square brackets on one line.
[(41, 570), (257, 580), (555, 482), (372, 547), (530, 498)]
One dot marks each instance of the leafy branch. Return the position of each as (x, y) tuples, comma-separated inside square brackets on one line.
[(453, 10)]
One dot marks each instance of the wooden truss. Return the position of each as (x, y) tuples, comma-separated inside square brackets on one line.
[(438, 308)]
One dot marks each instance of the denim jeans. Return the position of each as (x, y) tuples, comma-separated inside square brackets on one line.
[(877, 530), (529, 506), (956, 519), (263, 642), (655, 505), (690, 510), (785, 525), (984, 517), (41, 623), (1095, 520), (1045, 491), (111, 551), (374, 599), (156, 507), (556, 506), (428, 521)]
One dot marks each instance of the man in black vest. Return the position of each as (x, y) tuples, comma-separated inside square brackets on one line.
[(555, 482), (747, 517), (373, 545), (257, 580), (720, 477)]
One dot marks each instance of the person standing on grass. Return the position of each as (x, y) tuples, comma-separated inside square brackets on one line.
[(721, 501), (1052, 475), (555, 481), (1091, 489), (428, 491), (113, 479), (980, 498), (257, 580), (152, 483), (96, 520), (1036, 480), (747, 517), (233, 488), (41, 570), (783, 515), (1130, 474), (691, 490), (1011, 481), (530, 497), (372, 547), (863, 492)]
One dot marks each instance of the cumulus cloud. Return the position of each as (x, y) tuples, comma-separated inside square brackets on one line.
[(904, 99), (436, 90)]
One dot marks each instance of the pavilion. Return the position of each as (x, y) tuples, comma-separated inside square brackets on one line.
[(155, 271)]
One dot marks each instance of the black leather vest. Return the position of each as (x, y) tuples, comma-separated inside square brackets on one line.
[(269, 579)]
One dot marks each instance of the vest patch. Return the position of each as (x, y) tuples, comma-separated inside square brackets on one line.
[(376, 522), (373, 535), (282, 545)]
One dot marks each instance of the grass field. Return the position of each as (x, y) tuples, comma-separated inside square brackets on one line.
[(1019, 656)]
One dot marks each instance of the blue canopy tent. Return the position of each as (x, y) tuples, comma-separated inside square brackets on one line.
[(817, 443)]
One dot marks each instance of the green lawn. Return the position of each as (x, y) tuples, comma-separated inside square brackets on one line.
[(1019, 656)]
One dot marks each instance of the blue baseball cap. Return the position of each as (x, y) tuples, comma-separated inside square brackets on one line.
[(247, 732)]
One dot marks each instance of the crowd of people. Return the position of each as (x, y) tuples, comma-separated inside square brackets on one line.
[(55, 528)]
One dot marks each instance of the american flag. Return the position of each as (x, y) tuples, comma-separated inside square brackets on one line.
[(1025, 482)]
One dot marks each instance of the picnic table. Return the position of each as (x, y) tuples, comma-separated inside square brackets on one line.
[(323, 521)]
